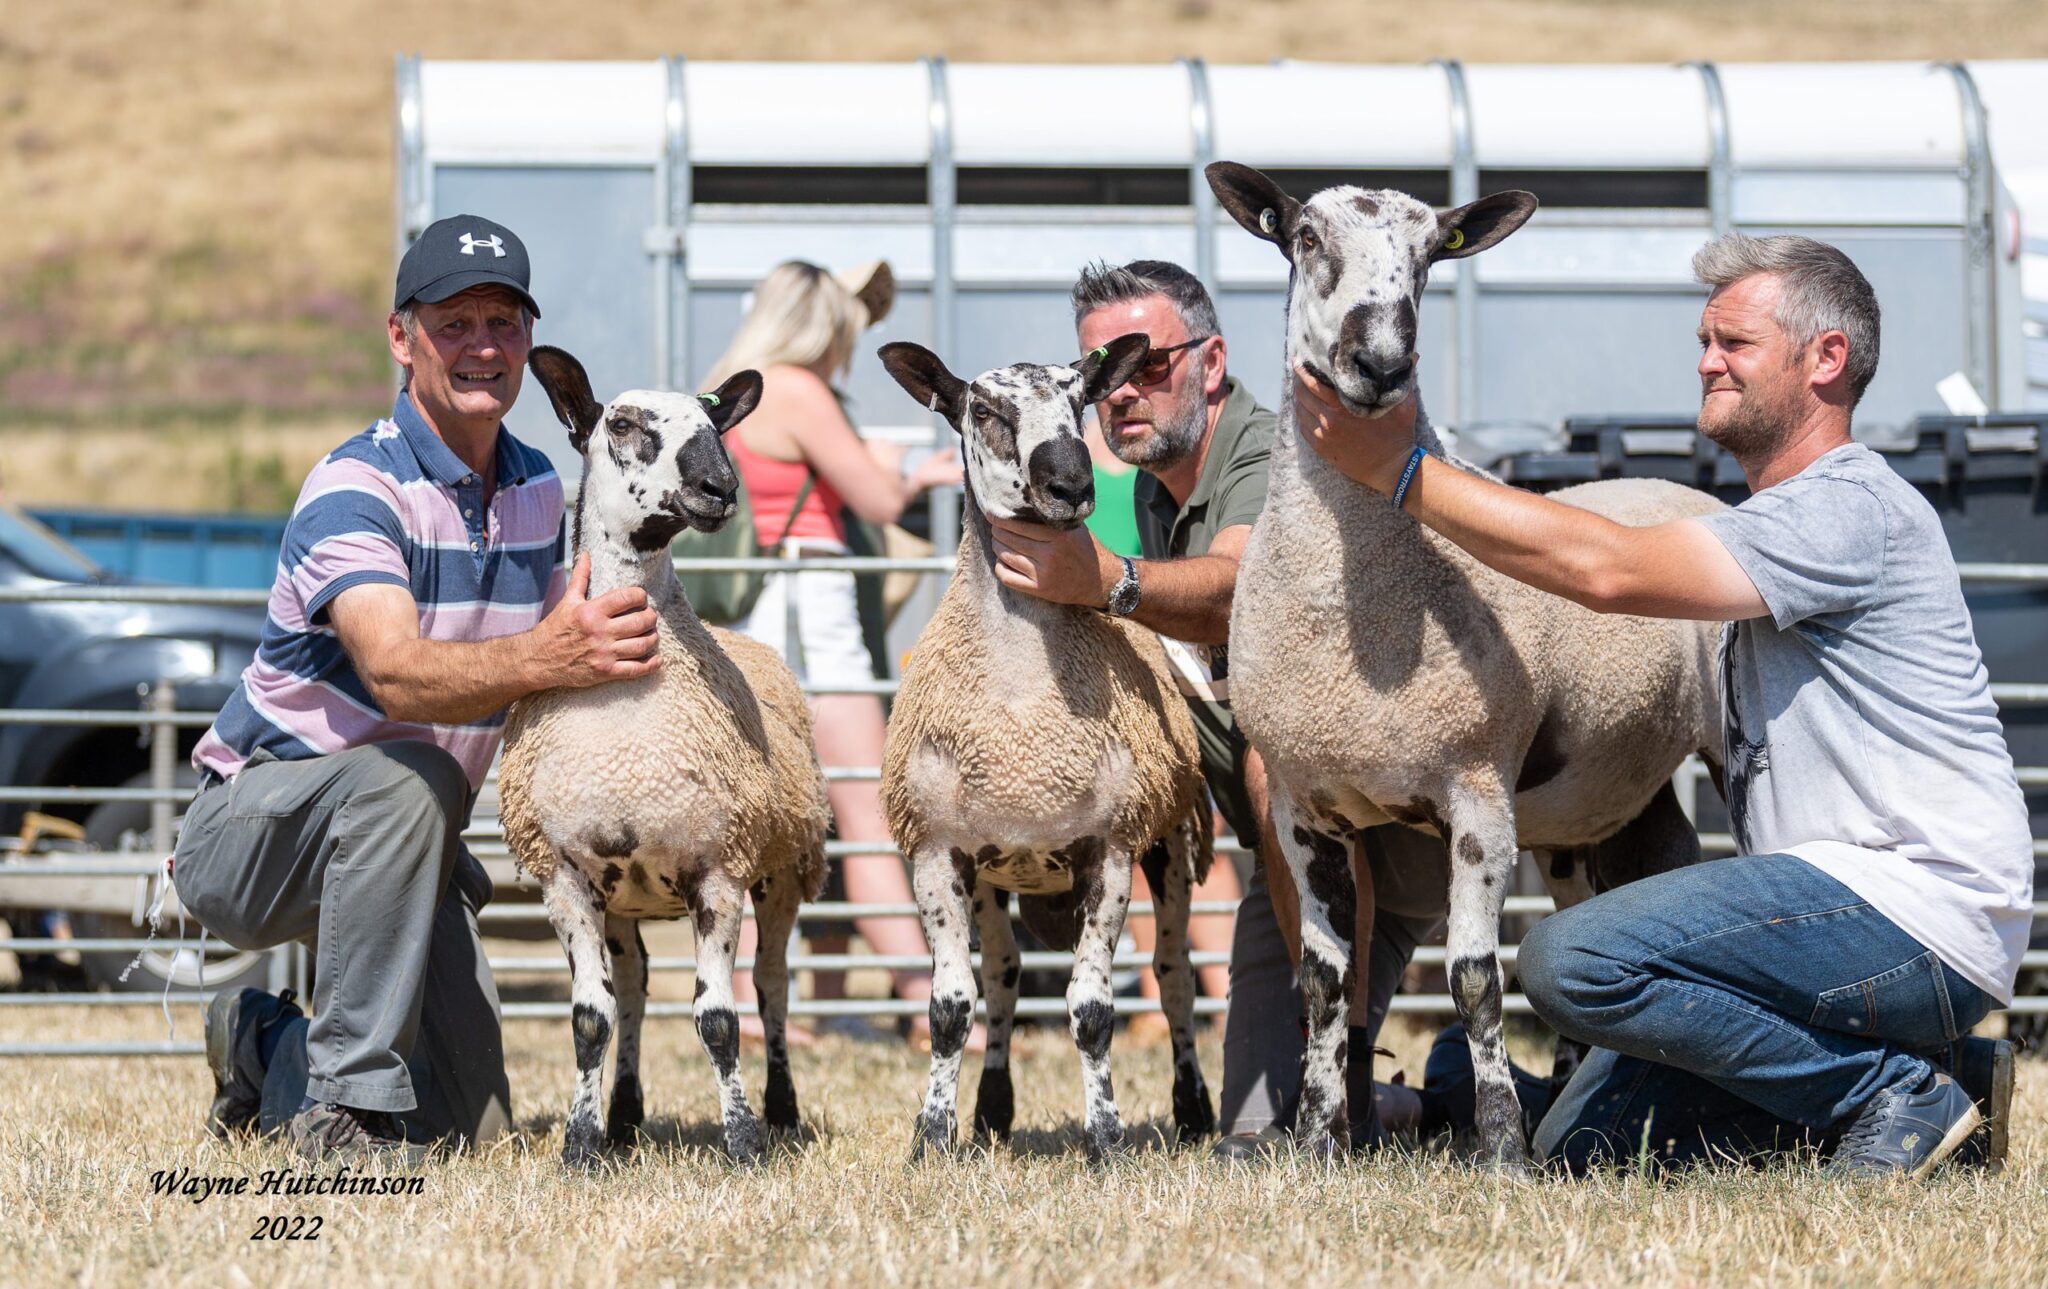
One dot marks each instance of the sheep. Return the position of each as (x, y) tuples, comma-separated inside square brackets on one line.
[(1039, 748), (672, 794), (1384, 674)]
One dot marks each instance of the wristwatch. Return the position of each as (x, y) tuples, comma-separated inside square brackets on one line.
[(1123, 597)]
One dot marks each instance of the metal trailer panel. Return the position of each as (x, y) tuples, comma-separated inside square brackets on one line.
[(1589, 117), (1111, 115), (799, 114), (565, 113), (1843, 116), (1297, 114)]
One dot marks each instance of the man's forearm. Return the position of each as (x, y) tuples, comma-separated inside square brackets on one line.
[(447, 682), (1188, 599), (1547, 544)]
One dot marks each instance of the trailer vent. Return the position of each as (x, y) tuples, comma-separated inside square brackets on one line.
[(1604, 188), (808, 185)]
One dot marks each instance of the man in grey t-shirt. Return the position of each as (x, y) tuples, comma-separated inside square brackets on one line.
[(1818, 986)]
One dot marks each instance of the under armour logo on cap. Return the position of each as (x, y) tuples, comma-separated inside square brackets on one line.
[(461, 253)]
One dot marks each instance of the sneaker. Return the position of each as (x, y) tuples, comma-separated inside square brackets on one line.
[(1984, 1067), (1906, 1132), (332, 1131), (235, 1025)]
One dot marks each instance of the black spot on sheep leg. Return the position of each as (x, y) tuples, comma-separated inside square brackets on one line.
[(995, 1103), (1473, 948), (629, 973), (775, 908), (718, 1026), (1105, 881), (568, 898), (944, 909), (1194, 1116), (1321, 869)]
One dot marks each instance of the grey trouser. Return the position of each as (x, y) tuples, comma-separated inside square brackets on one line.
[(363, 850), (1262, 1030)]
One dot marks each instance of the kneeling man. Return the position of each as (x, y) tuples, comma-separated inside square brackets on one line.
[(1819, 986)]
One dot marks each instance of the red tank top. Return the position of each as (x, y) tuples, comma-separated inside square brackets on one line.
[(772, 487)]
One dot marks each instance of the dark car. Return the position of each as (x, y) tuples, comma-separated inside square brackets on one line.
[(101, 655)]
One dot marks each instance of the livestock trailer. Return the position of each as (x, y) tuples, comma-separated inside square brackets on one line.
[(654, 194)]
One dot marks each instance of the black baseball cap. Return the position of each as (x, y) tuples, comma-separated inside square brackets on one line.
[(460, 252)]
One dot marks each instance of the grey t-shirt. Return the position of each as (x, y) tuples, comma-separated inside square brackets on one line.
[(1861, 733)]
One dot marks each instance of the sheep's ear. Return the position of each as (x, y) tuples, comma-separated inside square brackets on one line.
[(740, 395), (1467, 230), (568, 387), (1255, 201), (925, 378), (1109, 366)]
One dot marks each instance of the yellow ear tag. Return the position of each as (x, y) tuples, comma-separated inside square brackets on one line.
[(1455, 240), (709, 400)]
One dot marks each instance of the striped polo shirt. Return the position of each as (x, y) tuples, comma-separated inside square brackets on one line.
[(394, 505)]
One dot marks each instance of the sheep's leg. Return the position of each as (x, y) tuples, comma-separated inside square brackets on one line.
[(1320, 865), (940, 880), (629, 974), (577, 911), (995, 1100), (775, 902), (1169, 872), (1091, 1006), (716, 909), (1482, 844)]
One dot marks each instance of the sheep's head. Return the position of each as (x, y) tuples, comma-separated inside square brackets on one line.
[(652, 461), (1361, 257), (1020, 426)]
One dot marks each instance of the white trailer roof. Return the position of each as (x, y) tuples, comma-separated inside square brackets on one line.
[(1821, 116), (1322, 114), (1589, 117), (808, 113), (576, 113), (1011, 115)]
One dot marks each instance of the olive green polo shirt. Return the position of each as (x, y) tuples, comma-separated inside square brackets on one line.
[(1230, 491)]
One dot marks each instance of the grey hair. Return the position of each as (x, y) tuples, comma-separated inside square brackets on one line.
[(1819, 289), (1102, 284)]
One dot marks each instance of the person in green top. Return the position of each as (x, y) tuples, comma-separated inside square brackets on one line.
[(1201, 445), (1114, 521)]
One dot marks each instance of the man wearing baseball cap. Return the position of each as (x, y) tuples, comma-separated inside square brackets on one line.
[(419, 591)]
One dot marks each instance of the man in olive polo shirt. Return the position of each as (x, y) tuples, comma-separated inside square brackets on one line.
[(1202, 444)]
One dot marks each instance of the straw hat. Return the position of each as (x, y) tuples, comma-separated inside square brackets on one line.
[(874, 285)]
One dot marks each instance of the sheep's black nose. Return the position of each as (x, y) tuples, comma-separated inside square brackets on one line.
[(1383, 377), (720, 491), (1071, 490)]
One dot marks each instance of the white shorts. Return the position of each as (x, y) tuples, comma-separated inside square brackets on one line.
[(812, 620)]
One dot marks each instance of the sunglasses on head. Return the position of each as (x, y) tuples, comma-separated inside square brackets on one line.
[(1159, 361)]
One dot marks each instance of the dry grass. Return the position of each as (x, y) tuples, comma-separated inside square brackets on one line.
[(82, 1137), (195, 198)]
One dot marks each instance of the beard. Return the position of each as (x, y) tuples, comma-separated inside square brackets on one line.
[(1756, 424), (1173, 439)]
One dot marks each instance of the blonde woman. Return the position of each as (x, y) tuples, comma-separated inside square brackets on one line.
[(800, 334)]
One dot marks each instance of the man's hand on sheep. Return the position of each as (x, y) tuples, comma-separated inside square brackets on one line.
[(589, 641), (1370, 450), (1065, 567)]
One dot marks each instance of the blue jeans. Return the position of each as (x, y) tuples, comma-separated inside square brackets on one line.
[(1735, 1008)]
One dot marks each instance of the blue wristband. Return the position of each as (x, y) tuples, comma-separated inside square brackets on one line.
[(1408, 476)]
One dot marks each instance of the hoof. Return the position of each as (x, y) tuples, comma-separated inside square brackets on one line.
[(995, 1105), (779, 1101), (1105, 1142), (1508, 1159), (622, 1125), (743, 1141), (583, 1157), (1194, 1117), (931, 1139)]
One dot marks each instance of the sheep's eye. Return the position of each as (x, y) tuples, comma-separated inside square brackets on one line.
[(981, 412), (619, 425), (1308, 240)]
